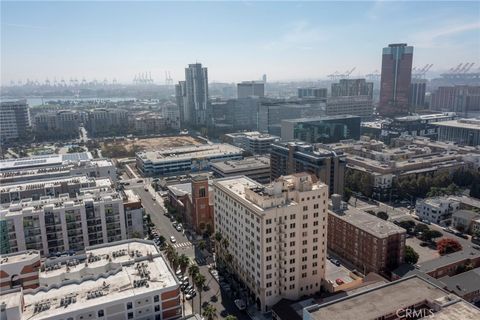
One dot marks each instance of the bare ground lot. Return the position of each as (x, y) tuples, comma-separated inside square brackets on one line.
[(127, 147)]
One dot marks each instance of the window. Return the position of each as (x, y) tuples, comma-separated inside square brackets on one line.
[(305, 216), (292, 278), (315, 206), (129, 305), (157, 307), (292, 225), (269, 249), (304, 275), (315, 223), (305, 208), (268, 221), (130, 315), (304, 242), (269, 230), (292, 217), (101, 313), (315, 215), (268, 240), (269, 258), (201, 192)]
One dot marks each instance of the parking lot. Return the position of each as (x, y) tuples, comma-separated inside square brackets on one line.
[(425, 253)]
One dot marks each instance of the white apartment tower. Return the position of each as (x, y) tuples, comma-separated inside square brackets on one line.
[(276, 234)]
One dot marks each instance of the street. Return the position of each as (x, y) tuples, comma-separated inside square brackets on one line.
[(153, 205)]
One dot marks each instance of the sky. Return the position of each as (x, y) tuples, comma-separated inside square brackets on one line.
[(235, 40)]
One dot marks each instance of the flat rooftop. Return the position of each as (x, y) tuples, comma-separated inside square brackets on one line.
[(251, 163), (40, 184), (28, 255), (382, 300), (252, 135), (323, 118), (189, 152), (138, 260), (367, 222), (44, 160), (473, 124)]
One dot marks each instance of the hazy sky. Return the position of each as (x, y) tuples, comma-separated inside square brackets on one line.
[(235, 40)]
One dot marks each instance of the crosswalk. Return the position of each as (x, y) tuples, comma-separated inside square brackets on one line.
[(182, 244)]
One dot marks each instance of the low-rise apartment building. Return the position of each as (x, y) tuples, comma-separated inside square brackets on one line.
[(63, 224), (256, 168), (128, 279), (367, 242), (276, 234), (436, 210)]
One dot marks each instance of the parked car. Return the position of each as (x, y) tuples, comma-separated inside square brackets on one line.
[(172, 239), (179, 228), (240, 304), (190, 295), (174, 224)]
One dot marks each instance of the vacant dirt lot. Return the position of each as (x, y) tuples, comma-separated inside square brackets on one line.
[(128, 147)]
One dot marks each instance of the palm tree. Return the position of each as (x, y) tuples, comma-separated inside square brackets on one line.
[(175, 261), (210, 312), (199, 281), (193, 270), (169, 252), (218, 236), (183, 262), (202, 245)]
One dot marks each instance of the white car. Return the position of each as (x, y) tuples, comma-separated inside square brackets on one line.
[(172, 239)]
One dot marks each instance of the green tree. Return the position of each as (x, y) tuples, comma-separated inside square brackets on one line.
[(382, 215), (183, 262), (202, 245), (193, 270), (407, 225), (218, 236), (429, 235), (231, 317), (199, 281), (421, 227), (210, 312), (411, 257), (366, 185)]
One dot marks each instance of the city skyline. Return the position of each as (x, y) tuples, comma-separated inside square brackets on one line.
[(235, 40)]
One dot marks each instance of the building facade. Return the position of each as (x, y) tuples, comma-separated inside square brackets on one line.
[(418, 89), (14, 120), (462, 99), (19, 270), (361, 106), (127, 279), (395, 80), (54, 166), (461, 131), (64, 224), (246, 89), (182, 160), (276, 235), (252, 141), (292, 157), (322, 129), (352, 88), (107, 122), (63, 124), (196, 95), (309, 93), (437, 210)]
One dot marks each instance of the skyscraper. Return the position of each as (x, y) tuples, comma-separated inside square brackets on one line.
[(395, 80), (14, 120), (196, 95)]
